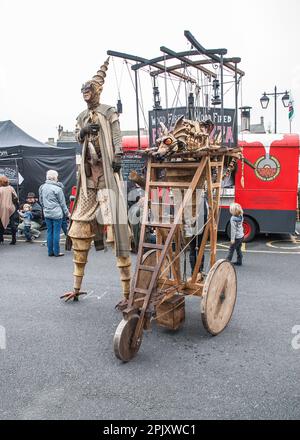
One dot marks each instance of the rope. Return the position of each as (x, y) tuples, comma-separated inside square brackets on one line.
[(142, 103), (166, 84), (184, 249), (241, 83), (134, 88), (177, 97), (115, 72)]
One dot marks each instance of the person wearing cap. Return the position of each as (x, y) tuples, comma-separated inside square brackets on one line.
[(37, 215), (99, 212)]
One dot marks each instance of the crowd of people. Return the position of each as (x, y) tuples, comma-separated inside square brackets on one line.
[(49, 210)]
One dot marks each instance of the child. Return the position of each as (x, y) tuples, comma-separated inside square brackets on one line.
[(237, 233), (27, 216)]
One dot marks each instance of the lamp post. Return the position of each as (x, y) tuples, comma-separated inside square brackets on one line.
[(264, 100)]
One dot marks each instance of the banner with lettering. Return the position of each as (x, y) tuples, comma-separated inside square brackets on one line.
[(169, 117)]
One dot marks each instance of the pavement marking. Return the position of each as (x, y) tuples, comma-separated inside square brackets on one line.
[(295, 239), (265, 252), (218, 244), (253, 251), (91, 295), (22, 240), (295, 244)]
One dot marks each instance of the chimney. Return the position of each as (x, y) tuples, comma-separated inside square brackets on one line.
[(245, 118), (60, 130)]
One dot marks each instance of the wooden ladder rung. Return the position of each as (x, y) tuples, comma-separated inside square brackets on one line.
[(216, 185), (153, 246), (216, 164), (159, 225), (169, 184), (141, 291), (147, 268), (175, 165)]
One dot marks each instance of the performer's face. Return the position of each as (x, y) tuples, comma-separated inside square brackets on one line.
[(87, 95)]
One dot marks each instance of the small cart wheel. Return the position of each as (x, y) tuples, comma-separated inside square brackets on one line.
[(123, 339), (219, 297)]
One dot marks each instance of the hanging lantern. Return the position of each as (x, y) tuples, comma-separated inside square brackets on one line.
[(156, 97), (216, 98), (119, 106)]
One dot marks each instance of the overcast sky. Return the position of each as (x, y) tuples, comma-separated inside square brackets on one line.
[(49, 48)]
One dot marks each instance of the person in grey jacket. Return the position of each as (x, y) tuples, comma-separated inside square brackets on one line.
[(237, 233), (54, 206)]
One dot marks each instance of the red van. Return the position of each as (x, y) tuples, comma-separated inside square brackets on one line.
[(269, 194)]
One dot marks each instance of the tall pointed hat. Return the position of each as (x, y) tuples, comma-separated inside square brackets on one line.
[(96, 85), (99, 78)]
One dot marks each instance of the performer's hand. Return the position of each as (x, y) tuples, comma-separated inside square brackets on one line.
[(117, 164), (89, 129), (94, 128)]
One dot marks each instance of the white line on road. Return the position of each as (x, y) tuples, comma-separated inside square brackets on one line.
[(264, 252), (91, 295)]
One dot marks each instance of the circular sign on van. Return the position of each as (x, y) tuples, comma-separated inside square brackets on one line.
[(267, 168)]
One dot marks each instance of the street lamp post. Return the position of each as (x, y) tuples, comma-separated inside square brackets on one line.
[(264, 100)]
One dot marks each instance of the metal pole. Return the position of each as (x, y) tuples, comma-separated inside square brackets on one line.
[(137, 108), (275, 109), (17, 169), (155, 107), (236, 133), (222, 98)]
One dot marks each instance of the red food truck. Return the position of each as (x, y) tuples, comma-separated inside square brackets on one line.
[(269, 194)]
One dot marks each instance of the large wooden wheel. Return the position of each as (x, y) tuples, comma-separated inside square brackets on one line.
[(123, 348), (150, 259), (219, 297)]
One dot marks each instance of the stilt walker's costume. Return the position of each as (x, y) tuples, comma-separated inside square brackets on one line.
[(99, 212)]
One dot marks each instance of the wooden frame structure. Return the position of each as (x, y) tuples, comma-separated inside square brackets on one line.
[(158, 277), (159, 285)]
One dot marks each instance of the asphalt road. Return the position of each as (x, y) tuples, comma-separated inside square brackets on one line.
[(59, 362)]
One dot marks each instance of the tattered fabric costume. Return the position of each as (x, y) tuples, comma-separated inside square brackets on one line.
[(99, 201)]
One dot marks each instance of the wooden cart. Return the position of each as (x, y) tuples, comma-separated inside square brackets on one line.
[(159, 285)]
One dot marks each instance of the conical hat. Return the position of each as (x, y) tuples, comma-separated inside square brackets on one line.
[(101, 74)]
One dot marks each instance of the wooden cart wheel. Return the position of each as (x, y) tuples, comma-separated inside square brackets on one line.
[(219, 297), (123, 338), (150, 258)]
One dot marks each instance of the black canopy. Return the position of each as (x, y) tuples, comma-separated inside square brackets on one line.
[(25, 160)]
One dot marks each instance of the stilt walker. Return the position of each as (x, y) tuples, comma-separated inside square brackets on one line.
[(99, 212)]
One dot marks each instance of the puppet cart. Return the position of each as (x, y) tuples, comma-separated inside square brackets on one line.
[(159, 285)]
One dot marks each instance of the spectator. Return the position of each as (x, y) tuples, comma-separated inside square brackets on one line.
[(54, 206), (27, 216), (37, 215), (8, 207), (237, 233)]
